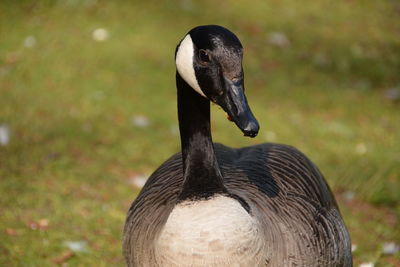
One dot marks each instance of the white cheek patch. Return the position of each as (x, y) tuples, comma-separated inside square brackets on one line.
[(184, 64)]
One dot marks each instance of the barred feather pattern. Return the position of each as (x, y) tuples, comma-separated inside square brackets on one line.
[(285, 191)]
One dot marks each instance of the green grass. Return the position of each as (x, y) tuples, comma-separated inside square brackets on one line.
[(69, 103)]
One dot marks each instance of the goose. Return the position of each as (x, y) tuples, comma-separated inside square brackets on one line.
[(212, 205)]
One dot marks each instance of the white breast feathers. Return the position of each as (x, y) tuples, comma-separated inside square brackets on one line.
[(212, 232)]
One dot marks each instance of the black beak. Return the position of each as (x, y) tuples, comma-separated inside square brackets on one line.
[(234, 102)]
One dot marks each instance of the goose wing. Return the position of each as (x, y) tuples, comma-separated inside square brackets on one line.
[(150, 210), (299, 216)]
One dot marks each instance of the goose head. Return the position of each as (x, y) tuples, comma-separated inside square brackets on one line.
[(209, 59)]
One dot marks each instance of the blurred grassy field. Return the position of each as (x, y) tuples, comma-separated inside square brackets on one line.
[(321, 76)]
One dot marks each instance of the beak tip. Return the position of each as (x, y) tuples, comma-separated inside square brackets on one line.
[(251, 129), (251, 134)]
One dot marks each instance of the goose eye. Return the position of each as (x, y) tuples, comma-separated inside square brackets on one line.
[(203, 55)]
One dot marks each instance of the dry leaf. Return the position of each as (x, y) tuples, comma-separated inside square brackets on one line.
[(43, 224), (33, 225), (11, 231), (66, 255)]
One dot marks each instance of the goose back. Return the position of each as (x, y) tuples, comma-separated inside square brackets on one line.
[(300, 221)]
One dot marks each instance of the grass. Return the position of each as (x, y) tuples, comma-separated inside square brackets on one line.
[(69, 102)]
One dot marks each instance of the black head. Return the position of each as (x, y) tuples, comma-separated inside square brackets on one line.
[(209, 59)]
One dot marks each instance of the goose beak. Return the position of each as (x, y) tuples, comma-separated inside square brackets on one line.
[(233, 101)]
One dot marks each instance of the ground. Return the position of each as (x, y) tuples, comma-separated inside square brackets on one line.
[(88, 108)]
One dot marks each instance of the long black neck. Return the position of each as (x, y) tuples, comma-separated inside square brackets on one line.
[(202, 176)]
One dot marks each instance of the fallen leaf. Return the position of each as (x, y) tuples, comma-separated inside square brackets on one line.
[(278, 39), (4, 134), (367, 264), (76, 246), (66, 255), (33, 225), (390, 248), (30, 41), (100, 35), (361, 149), (140, 121), (392, 94), (349, 195), (43, 224), (11, 232)]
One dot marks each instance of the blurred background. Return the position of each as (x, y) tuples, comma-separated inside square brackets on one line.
[(88, 111)]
